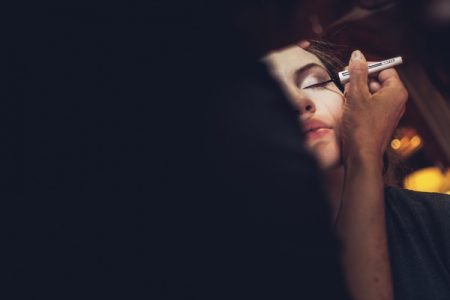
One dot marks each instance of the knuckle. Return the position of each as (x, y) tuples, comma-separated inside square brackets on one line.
[(347, 96), (405, 91), (390, 74), (404, 94)]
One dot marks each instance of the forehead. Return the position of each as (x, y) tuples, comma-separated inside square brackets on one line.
[(287, 61)]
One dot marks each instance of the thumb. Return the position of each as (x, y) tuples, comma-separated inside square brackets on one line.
[(304, 44), (358, 85)]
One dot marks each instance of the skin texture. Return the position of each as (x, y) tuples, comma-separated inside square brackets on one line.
[(323, 103), (355, 129)]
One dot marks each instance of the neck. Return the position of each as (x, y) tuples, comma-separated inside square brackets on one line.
[(334, 183)]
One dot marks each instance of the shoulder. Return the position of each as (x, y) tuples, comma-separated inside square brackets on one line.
[(414, 198), (430, 207)]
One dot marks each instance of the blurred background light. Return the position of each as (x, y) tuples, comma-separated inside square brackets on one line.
[(431, 179)]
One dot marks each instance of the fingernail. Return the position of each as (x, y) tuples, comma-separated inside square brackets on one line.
[(304, 44), (356, 55)]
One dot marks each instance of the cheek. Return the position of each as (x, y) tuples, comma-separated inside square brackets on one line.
[(335, 109), (332, 104)]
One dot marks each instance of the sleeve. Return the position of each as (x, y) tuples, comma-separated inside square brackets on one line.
[(419, 243)]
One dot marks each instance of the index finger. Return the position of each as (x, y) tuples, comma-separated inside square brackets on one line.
[(391, 84), (389, 81), (385, 76)]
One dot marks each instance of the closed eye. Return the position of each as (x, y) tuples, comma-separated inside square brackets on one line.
[(319, 85)]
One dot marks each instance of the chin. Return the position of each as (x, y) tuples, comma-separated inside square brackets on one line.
[(328, 163), (327, 155)]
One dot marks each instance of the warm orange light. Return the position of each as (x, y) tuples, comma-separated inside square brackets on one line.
[(395, 144), (406, 143), (430, 179), (415, 141)]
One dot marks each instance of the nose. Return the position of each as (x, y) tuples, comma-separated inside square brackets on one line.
[(305, 106)]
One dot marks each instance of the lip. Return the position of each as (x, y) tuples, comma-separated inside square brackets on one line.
[(314, 129)]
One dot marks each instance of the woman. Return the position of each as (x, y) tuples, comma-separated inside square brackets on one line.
[(417, 224)]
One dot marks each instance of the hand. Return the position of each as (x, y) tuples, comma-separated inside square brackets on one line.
[(374, 85), (304, 44), (370, 113)]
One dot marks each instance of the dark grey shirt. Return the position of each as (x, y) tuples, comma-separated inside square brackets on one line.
[(419, 243)]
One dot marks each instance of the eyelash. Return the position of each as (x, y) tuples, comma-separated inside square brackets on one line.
[(319, 85)]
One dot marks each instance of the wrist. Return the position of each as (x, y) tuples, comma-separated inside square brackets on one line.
[(364, 157)]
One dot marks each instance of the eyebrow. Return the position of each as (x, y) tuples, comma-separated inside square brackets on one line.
[(305, 68)]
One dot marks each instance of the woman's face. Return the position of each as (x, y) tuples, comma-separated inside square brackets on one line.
[(319, 108)]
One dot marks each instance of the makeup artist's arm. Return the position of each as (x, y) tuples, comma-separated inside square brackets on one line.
[(368, 122)]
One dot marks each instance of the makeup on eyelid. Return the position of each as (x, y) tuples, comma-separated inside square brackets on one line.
[(344, 76), (315, 81)]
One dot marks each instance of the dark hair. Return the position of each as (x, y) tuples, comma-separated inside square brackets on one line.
[(330, 55)]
